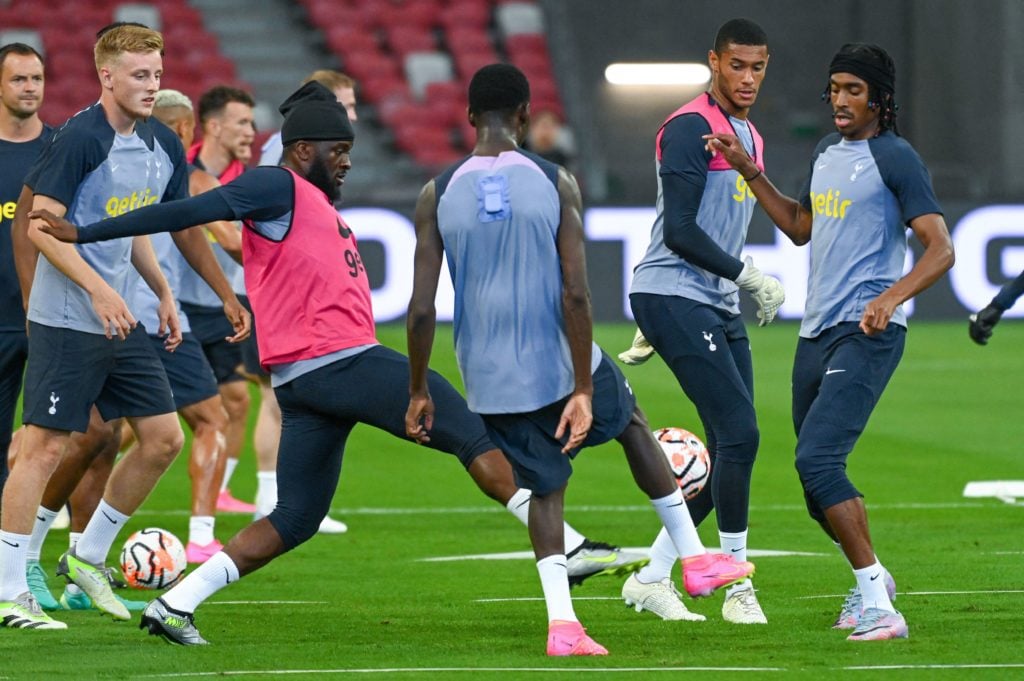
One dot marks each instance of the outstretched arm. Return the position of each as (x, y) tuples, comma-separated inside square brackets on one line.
[(422, 315), (793, 219), (983, 323), (226, 233), (938, 257), (577, 417)]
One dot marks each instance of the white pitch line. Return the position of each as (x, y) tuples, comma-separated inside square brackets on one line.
[(471, 670), (267, 602), (1010, 665), (524, 555), (469, 510), (924, 593)]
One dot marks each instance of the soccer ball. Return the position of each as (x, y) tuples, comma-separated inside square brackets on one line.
[(153, 559), (687, 457)]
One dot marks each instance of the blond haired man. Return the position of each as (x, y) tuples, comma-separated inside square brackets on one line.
[(85, 346)]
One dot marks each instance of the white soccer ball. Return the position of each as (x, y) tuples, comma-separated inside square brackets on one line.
[(153, 558), (687, 457)]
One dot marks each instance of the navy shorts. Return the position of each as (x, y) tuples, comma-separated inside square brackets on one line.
[(528, 439), (838, 378), (319, 410), (13, 352), (68, 371), (708, 351), (188, 372), (250, 349), (211, 327)]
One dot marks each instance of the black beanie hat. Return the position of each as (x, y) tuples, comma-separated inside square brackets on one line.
[(868, 62), (313, 113)]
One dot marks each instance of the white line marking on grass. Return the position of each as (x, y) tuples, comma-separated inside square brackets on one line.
[(925, 593), (494, 508), (267, 603), (472, 670), (1011, 665), (523, 555)]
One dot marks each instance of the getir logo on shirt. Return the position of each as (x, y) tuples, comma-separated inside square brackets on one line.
[(7, 210), (830, 205), (119, 205)]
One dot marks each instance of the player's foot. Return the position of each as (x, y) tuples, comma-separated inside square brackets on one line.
[(92, 579), (704, 574), (24, 613), (639, 352), (81, 601), (661, 598), (115, 581), (741, 607), (200, 553), (173, 625), (849, 614), (876, 624), (597, 558), (331, 526), (37, 585), (570, 638), (228, 504)]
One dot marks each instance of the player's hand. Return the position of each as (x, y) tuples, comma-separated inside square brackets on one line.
[(731, 149), (577, 418), (766, 291), (877, 314), (58, 228), (639, 352), (983, 322), (241, 320), (115, 316), (170, 325), (419, 418)]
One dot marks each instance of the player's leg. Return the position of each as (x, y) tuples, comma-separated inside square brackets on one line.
[(309, 465), (234, 395), (857, 369), (460, 432), (13, 353)]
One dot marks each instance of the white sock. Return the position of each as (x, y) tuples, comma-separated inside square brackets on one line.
[(100, 533), (73, 589), (871, 582), (203, 582), (266, 492), (200, 529), (554, 580), (663, 557), (676, 519), (44, 520), (13, 560), (519, 506), (228, 470), (735, 544)]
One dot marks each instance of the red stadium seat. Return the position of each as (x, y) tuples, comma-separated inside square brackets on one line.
[(404, 39), (466, 13)]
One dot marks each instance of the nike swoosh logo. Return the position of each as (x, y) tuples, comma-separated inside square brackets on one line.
[(875, 576), (829, 372), (675, 505), (107, 516), (735, 550), (227, 576), (10, 544), (40, 518), (603, 559)]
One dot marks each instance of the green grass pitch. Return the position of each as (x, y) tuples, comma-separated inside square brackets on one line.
[(367, 601)]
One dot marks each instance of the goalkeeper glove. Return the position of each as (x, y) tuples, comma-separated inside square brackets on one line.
[(766, 291), (639, 352), (983, 323)]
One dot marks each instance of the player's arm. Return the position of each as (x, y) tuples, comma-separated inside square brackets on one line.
[(421, 319), (25, 252), (577, 416), (983, 323), (108, 305), (226, 233), (145, 261), (787, 213), (193, 245), (938, 257)]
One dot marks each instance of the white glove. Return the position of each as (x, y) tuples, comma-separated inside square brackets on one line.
[(639, 352), (766, 291)]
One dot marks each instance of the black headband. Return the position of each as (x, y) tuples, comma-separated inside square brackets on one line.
[(312, 113), (869, 63)]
